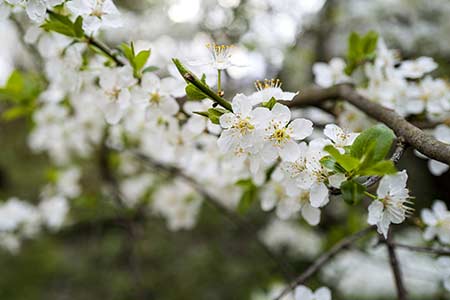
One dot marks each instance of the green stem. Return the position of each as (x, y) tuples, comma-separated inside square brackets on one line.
[(219, 77), (191, 78), (370, 195)]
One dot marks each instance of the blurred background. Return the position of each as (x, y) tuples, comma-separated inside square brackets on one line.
[(102, 256)]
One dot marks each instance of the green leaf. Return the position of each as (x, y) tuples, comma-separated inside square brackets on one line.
[(150, 69), (63, 25), (379, 169), (193, 93), (345, 160), (330, 163), (270, 104), (249, 195), (215, 114), (352, 192), (141, 59), (128, 52), (15, 112), (360, 49), (379, 137)]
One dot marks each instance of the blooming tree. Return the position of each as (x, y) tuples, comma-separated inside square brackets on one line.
[(175, 134)]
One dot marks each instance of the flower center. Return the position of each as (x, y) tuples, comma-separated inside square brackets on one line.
[(280, 135), (98, 9), (272, 83), (219, 52), (113, 93), (155, 98), (243, 126)]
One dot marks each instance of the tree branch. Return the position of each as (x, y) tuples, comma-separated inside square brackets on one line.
[(324, 258), (414, 136), (395, 266)]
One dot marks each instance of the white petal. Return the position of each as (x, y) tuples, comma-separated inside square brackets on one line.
[(318, 195), (333, 132), (375, 212), (437, 168), (323, 293), (336, 180), (289, 152), (241, 105), (311, 214), (303, 293), (227, 120), (428, 217), (301, 128), (281, 113)]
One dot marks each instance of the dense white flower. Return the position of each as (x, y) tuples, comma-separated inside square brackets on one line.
[(116, 96), (270, 89), (156, 96), (96, 14), (418, 67), (339, 137), (437, 221), (282, 134), (53, 211), (243, 128), (329, 74), (304, 293), (178, 203), (391, 203)]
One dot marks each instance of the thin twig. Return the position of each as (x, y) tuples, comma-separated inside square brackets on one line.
[(402, 294), (323, 259), (429, 250)]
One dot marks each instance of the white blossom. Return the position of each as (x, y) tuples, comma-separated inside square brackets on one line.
[(438, 222), (391, 203), (304, 293)]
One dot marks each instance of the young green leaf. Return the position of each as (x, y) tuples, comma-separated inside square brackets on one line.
[(352, 192), (270, 104), (379, 137), (380, 168), (346, 161), (193, 93)]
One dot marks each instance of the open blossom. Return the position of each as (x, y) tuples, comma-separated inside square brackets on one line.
[(116, 96), (219, 57), (418, 67), (438, 222), (281, 136), (156, 96), (391, 203), (429, 95), (274, 196), (270, 89), (243, 128), (329, 74), (304, 293), (36, 9), (96, 14), (339, 137)]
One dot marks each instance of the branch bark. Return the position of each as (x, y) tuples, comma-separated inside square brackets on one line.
[(323, 259), (414, 136)]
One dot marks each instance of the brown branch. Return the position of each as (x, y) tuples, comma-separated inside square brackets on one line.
[(414, 136), (284, 268), (323, 259), (402, 294)]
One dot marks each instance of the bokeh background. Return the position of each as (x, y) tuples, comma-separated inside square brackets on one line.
[(95, 258)]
